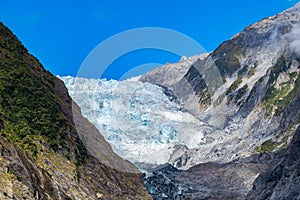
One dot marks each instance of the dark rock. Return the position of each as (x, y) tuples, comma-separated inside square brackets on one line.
[(281, 180)]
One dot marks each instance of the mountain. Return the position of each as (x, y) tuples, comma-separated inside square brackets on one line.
[(42, 155), (258, 100), (222, 125)]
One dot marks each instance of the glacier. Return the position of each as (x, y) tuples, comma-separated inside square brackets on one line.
[(141, 121)]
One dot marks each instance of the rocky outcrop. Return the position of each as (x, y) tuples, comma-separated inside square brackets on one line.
[(281, 180), (207, 181), (170, 73)]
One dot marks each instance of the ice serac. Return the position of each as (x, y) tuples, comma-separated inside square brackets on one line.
[(143, 122)]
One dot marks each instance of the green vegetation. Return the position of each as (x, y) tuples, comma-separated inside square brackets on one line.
[(78, 175), (294, 75), (277, 99), (238, 95), (266, 147), (234, 85), (81, 153), (30, 106), (273, 95), (284, 146), (13, 173), (281, 65), (293, 93)]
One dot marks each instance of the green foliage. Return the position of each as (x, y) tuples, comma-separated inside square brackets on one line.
[(31, 107), (8, 43), (281, 65), (281, 98), (13, 173), (293, 93), (276, 99), (234, 85), (81, 153), (78, 175), (293, 75), (30, 145), (284, 146), (238, 95), (28, 105), (266, 147)]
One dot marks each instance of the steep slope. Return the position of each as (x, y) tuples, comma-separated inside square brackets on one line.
[(41, 152), (171, 73), (281, 180)]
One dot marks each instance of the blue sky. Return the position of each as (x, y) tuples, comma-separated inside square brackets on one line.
[(62, 33)]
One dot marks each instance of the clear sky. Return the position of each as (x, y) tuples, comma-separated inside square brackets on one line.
[(61, 33)]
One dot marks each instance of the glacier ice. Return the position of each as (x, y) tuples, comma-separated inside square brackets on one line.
[(144, 125), (139, 121)]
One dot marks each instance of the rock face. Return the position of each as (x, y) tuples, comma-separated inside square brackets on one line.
[(207, 181), (171, 73), (281, 180), (42, 155)]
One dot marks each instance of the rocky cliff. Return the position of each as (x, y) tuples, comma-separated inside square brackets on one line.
[(42, 152), (280, 180)]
